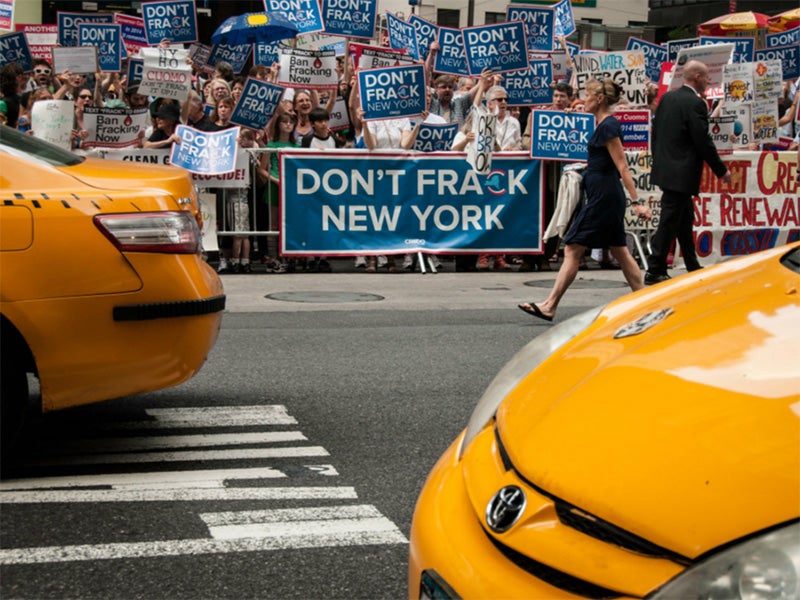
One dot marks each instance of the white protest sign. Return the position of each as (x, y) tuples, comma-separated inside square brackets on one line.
[(625, 67), (765, 121), (307, 69), (76, 59), (479, 153), (114, 127), (51, 120), (713, 56), (165, 73)]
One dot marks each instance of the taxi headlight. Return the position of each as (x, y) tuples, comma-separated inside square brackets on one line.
[(763, 568), (520, 365)]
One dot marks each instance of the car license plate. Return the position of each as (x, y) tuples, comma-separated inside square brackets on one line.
[(433, 587)]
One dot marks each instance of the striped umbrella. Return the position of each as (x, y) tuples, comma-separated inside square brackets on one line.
[(785, 20), (741, 21)]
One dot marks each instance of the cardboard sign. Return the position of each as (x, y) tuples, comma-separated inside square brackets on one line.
[(52, 120), (556, 135), (173, 20), (450, 58), (75, 59), (165, 73), (539, 25), (351, 18), (14, 49), (114, 127), (208, 153), (501, 47), (307, 69), (304, 14), (426, 33), (107, 38), (402, 35), (654, 56), (257, 103), (532, 86), (765, 121), (392, 92), (737, 82), (713, 56), (68, 25)]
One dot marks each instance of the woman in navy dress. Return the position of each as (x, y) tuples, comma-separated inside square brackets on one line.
[(600, 223)]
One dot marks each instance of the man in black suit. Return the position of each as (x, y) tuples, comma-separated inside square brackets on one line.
[(681, 144)]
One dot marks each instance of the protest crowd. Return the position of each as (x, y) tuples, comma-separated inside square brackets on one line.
[(414, 91)]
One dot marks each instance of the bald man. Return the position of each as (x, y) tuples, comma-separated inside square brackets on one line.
[(681, 144)]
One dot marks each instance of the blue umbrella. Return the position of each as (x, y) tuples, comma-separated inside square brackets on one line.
[(254, 27)]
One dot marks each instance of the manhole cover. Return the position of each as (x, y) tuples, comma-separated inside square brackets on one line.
[(324, 297), (580, 284)]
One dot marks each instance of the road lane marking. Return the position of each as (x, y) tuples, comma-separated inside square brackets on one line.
[(211, 416)]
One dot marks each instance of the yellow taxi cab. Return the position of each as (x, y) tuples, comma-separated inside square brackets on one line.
[(646, 449), (103, 289)]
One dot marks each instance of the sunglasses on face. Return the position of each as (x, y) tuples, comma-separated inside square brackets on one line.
[(42, 71), (500, 99)]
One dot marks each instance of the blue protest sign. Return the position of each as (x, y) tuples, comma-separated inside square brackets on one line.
[(351, 18), (135, 70), (173, 20), (107, 37), (565, 20), (68, 25), (789, 57), (396, 203), (205, 153), (392, 92), (531, 86), (675, 46), (266, 53), (304, 14), (783, 38), (500, 47), (257, 103), (539, 25), (654, 56), (402, 35), (235, 55), (450, 58), (557, 135), (435, 137), (426, 33), (744, 47), (14, 49)]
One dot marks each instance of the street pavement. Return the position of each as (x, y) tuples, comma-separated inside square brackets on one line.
[(348, 288)]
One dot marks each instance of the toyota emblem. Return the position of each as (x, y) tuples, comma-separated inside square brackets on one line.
[(505, 508)]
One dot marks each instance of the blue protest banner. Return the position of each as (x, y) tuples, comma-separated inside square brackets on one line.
[(539, 25), (426, 33), (132, 30), (257, 103), (235, 55), (266, 53), (68, 25), (744, 47), (385, 203), (173, 20), (392, 92), (789, 57), (654, 56), (565, 20), (450, 58), (14, 49), (107, 37), (402, 35), (304, 14), (351, 18), (500, 47), (211, 153), (435, 137), (557, 135), (532, 86), (635, 125), (783, 38), (675, 46)]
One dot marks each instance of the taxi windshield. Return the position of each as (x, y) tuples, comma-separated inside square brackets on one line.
[(27, 146)]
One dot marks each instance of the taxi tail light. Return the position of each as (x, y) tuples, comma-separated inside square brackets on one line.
[(163, 232)]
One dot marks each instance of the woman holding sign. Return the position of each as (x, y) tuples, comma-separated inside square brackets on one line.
[(600, 223)]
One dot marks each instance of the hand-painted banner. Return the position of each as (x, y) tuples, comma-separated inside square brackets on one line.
[(392, 92), (257, 103), (304, 14), (107, 37), (385, 203), (68, 25), (165, 73), (500, 47), (133, 35), (427, 32), (402, 35), (565, 20), (635, 125), (539, 25), (52, 120), (435, 137), (375, 57), (14, 49), (114, 127), (351, 18), (654, 56), (530, 87), (205, 153), (236, 55), (480, 152), (307, 69), (789, 56), (625, 67), (743, 48), (675, 46), (172, 20), (450, 58), (784, 38), (557, 135)]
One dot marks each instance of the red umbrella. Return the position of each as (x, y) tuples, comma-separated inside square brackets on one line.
[(785, 20), (731, 22)]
